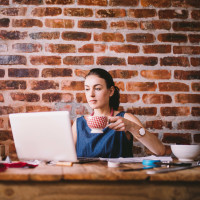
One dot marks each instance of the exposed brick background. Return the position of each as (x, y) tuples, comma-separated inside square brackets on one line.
[(150, 47)]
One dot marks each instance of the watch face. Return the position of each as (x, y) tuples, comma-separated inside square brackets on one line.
[(142, 131)]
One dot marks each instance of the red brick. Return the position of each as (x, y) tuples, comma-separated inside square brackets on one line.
[(187, 98), (196, 87), (186, 3), (78, 12), (173, 14), (175, 111), (197, 138), (156, 98), (45, 35), (123, 3), (126, 48), (142, 13), (1, 99), (186, 26), (78, 60), (48, 11), (2, 73), (193, 125), (177, 138), (28, 97), (195, 14), (129, 98), (186, 75), (4, 2), (195, 62), (14, 11), (194, 38), (186, 50), (156, 74), (27, 47), (173, 86), (12, 35), (62, 2), (5, 110), (59, 23), (79, 36), (175, 61), (110, 13), (131, 25), (81, 98), (57, 97), (195, 111), (38, 108), (157, 48), (120, 85), (45, 60), (109, 37), (103, 60), (140, 37), (156, 3), (12, 60), (147, 111), (92, 24), (60, 48), (81, 110), (141, 86), (81, 73), (12, 85), (123, 74), (72, 85), (44, 85), (26, 23), (155, 25), (93, 48), (22, 72), (141, 60), (158, 124), (172, 37), (93, 2), (4, 22), (56, 72), (29, 2), (6, 135)]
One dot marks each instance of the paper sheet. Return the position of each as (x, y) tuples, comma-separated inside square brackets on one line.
[(138, 159)]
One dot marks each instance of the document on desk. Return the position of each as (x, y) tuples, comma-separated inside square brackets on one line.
[(138, 159)]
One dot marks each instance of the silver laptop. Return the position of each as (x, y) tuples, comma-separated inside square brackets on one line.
[(45, 136)]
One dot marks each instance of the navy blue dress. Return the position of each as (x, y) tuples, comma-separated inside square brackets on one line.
[(110, 144)]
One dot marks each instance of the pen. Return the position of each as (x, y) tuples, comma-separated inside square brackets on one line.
[(136, 169)]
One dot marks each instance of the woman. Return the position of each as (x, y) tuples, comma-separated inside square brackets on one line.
[(117, 140)]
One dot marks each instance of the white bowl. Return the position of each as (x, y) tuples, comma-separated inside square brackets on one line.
[(186, 152)]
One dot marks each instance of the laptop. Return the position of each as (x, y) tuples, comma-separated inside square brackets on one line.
[(45, 136)]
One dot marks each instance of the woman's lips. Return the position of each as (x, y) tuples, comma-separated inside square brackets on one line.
[(93, 101)]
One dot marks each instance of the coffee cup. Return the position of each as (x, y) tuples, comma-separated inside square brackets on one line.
[(97, 123)]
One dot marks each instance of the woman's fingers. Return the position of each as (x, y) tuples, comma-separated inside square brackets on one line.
[(116, 123)]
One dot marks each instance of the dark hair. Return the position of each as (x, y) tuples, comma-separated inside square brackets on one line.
[(101, 73)]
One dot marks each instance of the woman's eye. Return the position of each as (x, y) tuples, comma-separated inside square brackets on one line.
[(98, 88), (86, 89)]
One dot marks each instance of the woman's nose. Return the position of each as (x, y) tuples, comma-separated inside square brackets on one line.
[(92, 93)]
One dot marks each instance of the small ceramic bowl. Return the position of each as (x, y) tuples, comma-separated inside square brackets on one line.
[(97, 123), (186, 152)]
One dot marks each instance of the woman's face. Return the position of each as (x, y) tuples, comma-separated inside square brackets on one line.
[(97, 93)]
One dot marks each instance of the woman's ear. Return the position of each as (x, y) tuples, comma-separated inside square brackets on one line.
[(112, 90)]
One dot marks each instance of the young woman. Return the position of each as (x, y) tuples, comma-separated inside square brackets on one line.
[(117, 140)]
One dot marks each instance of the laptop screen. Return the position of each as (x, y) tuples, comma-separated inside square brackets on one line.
[(43, 136)]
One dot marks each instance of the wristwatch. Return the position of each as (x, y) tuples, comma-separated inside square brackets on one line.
[(142, 132)]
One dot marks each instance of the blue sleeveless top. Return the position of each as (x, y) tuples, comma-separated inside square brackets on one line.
[(110, 144)]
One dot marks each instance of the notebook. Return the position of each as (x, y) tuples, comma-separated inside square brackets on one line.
[(45, 136)]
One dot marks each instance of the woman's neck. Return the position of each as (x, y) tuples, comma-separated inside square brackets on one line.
[(106, 112)]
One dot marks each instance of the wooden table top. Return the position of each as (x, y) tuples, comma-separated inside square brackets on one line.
[(98, 171)]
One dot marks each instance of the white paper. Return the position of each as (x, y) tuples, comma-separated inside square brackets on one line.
[(138, 159)]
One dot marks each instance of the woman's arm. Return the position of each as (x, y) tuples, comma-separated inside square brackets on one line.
[(132, 124), (74, 131)]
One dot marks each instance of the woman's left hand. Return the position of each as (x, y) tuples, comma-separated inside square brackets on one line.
[(119, 123)]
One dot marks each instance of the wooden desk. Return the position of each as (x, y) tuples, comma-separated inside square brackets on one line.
[(96, 181)]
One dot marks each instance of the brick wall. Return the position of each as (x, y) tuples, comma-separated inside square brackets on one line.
[(151, 47)]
